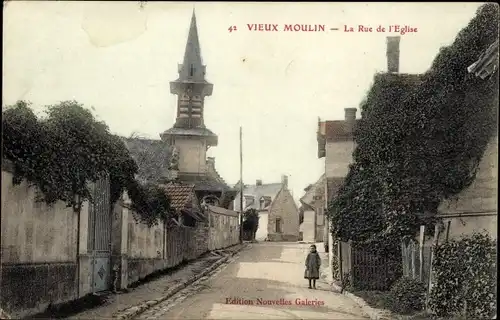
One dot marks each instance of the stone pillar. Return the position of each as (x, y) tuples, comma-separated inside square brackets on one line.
[(119, 241), (84, 271)]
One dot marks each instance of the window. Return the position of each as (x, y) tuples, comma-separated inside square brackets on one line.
[(265, 202), (191, 70), (278, 225)]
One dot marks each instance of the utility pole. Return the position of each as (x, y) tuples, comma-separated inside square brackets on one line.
[(241, 184)]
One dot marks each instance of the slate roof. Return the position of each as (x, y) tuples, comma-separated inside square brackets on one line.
[(152, 157), (269, 190)]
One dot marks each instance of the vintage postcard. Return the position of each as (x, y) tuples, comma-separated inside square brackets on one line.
[(249, 160)]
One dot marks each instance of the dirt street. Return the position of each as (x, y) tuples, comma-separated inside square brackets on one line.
[(264, 282)]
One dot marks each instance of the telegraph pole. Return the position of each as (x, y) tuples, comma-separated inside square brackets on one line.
[(241, 185)]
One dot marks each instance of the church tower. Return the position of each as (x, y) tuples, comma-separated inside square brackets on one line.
[(189, 134)]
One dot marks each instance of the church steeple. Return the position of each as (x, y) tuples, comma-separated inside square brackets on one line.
[(191, 87), (192, 68)]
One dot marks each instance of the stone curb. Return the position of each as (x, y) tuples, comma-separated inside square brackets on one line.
[(374, 314), (135, 310)]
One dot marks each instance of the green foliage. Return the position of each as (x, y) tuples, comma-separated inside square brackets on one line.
[(346, 281), (407, 295), (464, 273), (68, 148), (149, 203), (251, 220), (335, 261), (419, 141)]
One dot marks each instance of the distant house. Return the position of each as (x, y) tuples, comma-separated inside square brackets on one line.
[(278, 213), (313, 206)]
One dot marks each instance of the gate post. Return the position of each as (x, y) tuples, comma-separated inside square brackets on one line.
[(119, 242), (83, 258)]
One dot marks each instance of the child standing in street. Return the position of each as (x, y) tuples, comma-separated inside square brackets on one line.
[(313, 262)]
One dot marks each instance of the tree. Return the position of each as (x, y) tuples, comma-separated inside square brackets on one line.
[(68, 148), (251, 221)]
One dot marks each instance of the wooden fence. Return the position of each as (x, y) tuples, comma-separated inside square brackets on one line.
[(367, 270), (416, 262), (181, 245)]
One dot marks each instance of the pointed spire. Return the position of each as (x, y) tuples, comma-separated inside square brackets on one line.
[(193, 68)]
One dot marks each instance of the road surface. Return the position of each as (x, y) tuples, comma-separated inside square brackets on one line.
[(264, 282)]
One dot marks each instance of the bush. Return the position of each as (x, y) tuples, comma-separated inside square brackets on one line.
[(464, 272), (407, 295)]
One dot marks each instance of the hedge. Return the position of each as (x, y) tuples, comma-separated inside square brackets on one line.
[(464, 273)]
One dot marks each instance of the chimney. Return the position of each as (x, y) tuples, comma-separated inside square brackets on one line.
[(284, 181), (350, 119), (393, 54), (258, 182)]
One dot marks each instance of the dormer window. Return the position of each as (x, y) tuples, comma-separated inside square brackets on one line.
[(264, 202), (191, 70)]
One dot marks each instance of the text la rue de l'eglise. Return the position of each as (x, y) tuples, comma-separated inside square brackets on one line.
[(270, 27), (274, 302)]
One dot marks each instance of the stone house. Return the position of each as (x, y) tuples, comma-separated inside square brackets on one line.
[(283, 216), (313, 207), (260, 197)]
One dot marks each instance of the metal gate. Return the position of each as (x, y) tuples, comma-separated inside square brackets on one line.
[(99, 240)]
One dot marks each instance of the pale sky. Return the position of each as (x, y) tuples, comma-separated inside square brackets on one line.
[(119, 59)]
